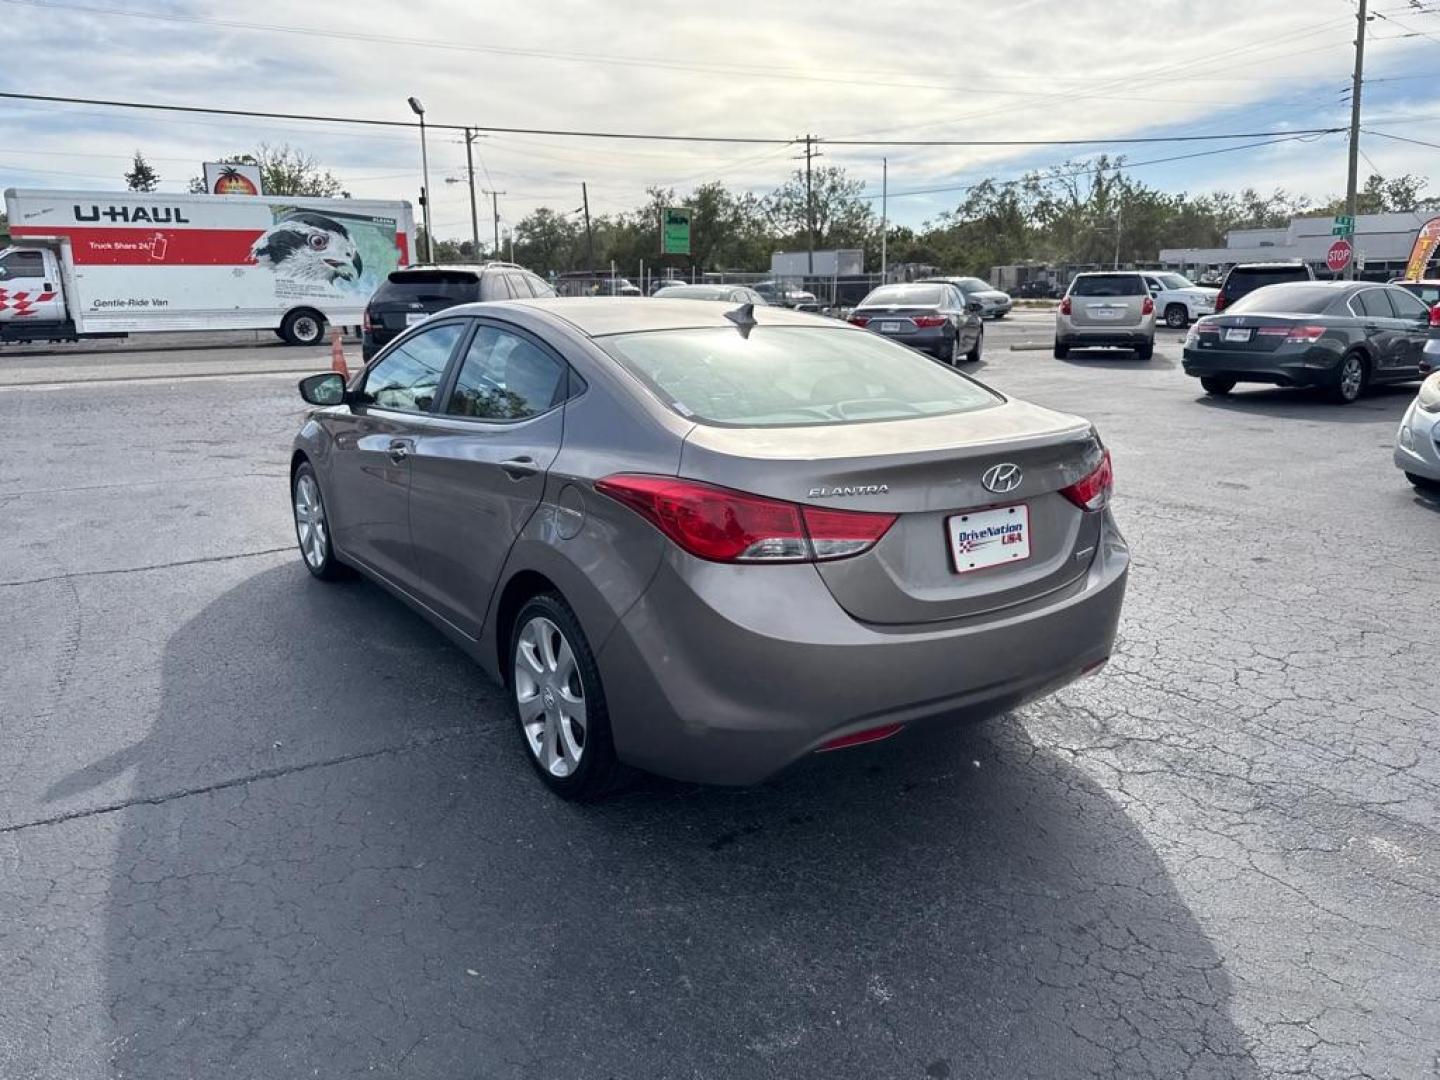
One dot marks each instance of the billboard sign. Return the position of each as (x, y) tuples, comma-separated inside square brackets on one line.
[(232, 178), (675, 230)]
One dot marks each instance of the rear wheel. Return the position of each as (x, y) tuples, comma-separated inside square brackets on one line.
[(1061, 350), (1177, 317), (1145, 352), (954, 355), (303, 327), (1217, 385), (974, 354), (559, 702), (1424, 483), (1350, 379)]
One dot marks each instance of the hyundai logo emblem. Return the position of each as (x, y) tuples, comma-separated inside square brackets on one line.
[(1002, 478)]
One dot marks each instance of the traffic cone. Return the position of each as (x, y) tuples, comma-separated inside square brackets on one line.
[(337, 354)]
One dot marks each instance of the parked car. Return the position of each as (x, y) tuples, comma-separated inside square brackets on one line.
[(1427, 291), (934, 317), (1178, 300), (779, 295), (656, 284), (706, 549), (413, 294), (994, 304), (1038, 289), (1111, 309), (1340, 335), (1417, 446), (1245, 278), (733, 294)]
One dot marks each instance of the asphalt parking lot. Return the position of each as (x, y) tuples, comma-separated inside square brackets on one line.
[(256, 826)]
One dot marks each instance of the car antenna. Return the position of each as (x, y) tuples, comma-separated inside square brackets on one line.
[(744, 318)]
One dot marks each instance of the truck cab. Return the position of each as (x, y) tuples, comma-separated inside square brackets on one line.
[(32, 302)]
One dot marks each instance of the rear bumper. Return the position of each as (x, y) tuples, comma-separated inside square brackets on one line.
[(1276, 368), (1416, 449), (1099, 339), (708, 679), (931, 339)]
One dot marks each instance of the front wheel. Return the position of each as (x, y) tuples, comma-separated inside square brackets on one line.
[(312, 526), (1177, 317), (1423, 483), (559, 701), (1216, 385), (1349, 380)]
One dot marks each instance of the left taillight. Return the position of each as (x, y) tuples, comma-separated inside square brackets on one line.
[(1093, 492), (365, 323), (860, 320), (1147, 306), (724, 525)]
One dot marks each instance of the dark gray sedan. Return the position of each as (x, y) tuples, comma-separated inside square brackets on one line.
[(709, 542), (934, 317), (1339, 335)]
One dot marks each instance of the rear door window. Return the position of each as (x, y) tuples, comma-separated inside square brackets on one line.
[(538, 285), (1108, 285), (1406, 305), (1372, 304), (505, 377)]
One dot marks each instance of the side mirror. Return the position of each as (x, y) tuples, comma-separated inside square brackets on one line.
[(327, 388)]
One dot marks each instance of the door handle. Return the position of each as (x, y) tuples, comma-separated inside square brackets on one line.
[(520, 467), (399, 450)]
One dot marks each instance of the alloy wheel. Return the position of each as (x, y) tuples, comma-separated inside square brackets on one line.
[(1352, 377), (550, 697), (310, 524)]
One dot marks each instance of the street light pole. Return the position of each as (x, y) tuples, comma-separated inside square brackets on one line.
[(884, 213), (470, 135), (1352, 181), (419, 110)]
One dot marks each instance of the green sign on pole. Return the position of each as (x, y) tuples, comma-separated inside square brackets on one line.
[(1344, 225), (675, 231)]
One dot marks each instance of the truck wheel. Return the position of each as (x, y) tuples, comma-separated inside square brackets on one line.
[(1177, 317), (303, 327)]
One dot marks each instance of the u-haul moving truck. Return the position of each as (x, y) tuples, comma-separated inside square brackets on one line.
[(91, 263)]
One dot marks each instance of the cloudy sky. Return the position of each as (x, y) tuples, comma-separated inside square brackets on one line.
[(927, 69)]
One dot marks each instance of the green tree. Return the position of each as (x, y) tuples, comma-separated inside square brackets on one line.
[(546, 240), (141, 176), (841, 217)]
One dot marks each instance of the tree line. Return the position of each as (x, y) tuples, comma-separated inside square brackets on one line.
[(1090, 212)]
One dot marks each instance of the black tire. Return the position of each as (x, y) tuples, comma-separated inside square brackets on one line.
[(1423, 483), (1217, 385), (973, 356), (1348, 385), (597, 771), (303, 327), (1145, 352), (952, 354), (317, 551), (1177, 316), (1061, 350)]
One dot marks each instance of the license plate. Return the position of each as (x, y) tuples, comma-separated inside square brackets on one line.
[(1104, 313), (986, 538), (889, 328), (413, 317), (1236, 333)]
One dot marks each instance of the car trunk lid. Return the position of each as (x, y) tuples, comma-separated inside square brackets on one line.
[(947, 554)]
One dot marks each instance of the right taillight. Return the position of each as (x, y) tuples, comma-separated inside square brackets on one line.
[(724, 525), (365, 323), (1093, 492), (1220, 301), (1435, 315), (1065, 306)]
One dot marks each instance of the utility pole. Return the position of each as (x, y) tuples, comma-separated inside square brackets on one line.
[(589, 236), (1352, 183), (884, 212), (495, 216), (470, 136), (1117, 233), (809, 206)]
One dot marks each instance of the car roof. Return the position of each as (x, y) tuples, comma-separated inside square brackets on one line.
[(473, 268), (599, 316), (1112, 273), (1269, 266)]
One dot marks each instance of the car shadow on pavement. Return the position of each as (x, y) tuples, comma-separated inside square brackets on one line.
[(399, 896), (1310, 403), (1117, 358)]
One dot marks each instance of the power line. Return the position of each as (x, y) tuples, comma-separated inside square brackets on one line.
[(1401, 138)]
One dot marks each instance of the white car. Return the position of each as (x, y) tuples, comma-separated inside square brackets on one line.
[(1417, 445), (1178, 300)]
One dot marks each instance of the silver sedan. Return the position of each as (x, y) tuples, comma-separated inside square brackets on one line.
[(709, 542), (1417, 445)]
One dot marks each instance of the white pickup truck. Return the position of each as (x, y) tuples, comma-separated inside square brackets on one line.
[(1178, 300)]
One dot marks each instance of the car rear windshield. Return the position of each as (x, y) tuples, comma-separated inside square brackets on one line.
[(452, 286), (1281, 299), (695, 292), (1108, 285), (1244, 279), (791, 376), (906, 296), (1424, 290)]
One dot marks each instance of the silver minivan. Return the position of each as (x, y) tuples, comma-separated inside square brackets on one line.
[(1110, 309)]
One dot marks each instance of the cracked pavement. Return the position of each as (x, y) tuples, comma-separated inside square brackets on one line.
[(255, 826)]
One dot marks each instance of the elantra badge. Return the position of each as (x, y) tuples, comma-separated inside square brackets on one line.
[(1002, 478)]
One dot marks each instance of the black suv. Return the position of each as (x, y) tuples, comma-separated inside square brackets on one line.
[(414, 293), (1247, 277)]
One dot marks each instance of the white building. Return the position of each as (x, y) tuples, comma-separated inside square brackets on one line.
[(1382, 244)]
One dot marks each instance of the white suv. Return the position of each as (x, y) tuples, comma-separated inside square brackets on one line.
[(1178, 300)]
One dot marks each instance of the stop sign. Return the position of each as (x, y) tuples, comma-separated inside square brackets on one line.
[(1338, 257)]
